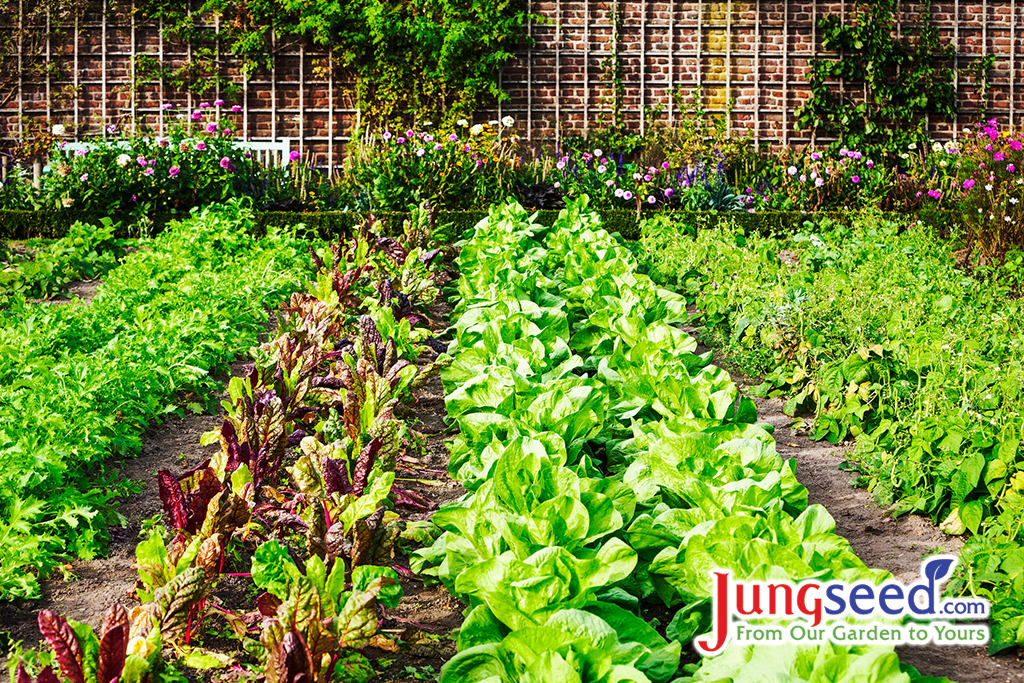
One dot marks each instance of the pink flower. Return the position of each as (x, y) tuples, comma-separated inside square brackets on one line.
[(647, 178), (1015, 145), (174, 171), (211, 127), (293, 155), (999, 156), (815, 156), (163, 142), (420, 151), (197, 115), (602, 169), (855, 178), (387, 135), (218, 103), (651, 199), (400, 140), (225, 163), (664, 165), (166, 106), (453, 137), (200, 146), (204, 105), (236, 108), (934, 194), (869, 163), (148, 171), (437, 146), (83, 177), (142, 161), (627, 195), (968, 184), (112, 128), (409, 133), (226, 132), (1011, 168), (669, 192), (609, 183)]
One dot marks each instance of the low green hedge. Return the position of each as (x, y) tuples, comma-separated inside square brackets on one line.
[(21, 225)]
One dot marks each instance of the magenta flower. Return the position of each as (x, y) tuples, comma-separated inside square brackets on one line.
[(934, 194), (664, 165), (236, 108), (225, 163), (627, 195), (197, 115), (647, 178), (869, 163), (1015, 145), (855, 178), (200, 146), (162, 142), (453, 137), (112, 128), (409, 133), (968, 184), (166, 105), (211, 127), (669, 192), (1011, 168), (148, 171), (142, 161), (226, 132), (293, 155), (387, 135), (204, 105), (400, 140), (437, 146), (174, 171), (218, 103)]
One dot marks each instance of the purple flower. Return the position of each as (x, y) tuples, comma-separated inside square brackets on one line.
[(174, 171), (148, 171), (218, 103), (211, 127), (247, 154), (162, 142), (293, 155), (226, 132), (968, 184), (855, 178), (225, 163), (200, 146), (236, 108)]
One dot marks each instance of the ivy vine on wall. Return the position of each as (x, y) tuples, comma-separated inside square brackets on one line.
[(884, 79)]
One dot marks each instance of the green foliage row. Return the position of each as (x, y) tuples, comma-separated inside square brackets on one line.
[(608, 468), (875, 332), (79, 384), (20, 225)]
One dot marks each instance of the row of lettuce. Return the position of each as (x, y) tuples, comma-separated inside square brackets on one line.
[(608, 467), (876, 332), (320, 528), (79, 384)]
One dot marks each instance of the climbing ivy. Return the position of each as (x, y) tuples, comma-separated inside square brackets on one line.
[(890, 77), (409, 59)]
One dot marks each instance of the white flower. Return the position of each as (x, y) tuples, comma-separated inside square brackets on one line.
[(59, 130), (558, 184), (476, 130), (912, 145), (462, 122), (637, 176), (991, 217), (988, 187), (508, 121), (1006, 218), (123, 160), (427, 124), (598, 153), (791, 170), (1014, 200), (618, 192), (943, 163), (904, 156), (67, 202), (967, 131), (1020, 181), (936, 146), (492, 123), (420, 151)]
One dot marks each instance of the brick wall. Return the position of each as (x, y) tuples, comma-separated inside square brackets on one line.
[(754, 55)]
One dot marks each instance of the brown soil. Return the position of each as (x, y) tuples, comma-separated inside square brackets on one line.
[(896, 545)]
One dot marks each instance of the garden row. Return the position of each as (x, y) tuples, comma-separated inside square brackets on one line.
[(301, 493), (79, 384), (877, 334), (608, 469)]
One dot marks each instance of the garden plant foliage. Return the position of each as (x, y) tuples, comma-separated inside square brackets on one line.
[(608, 467), (876, 333), (79, 383)]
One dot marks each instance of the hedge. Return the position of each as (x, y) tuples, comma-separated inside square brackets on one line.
[(19, 225)]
